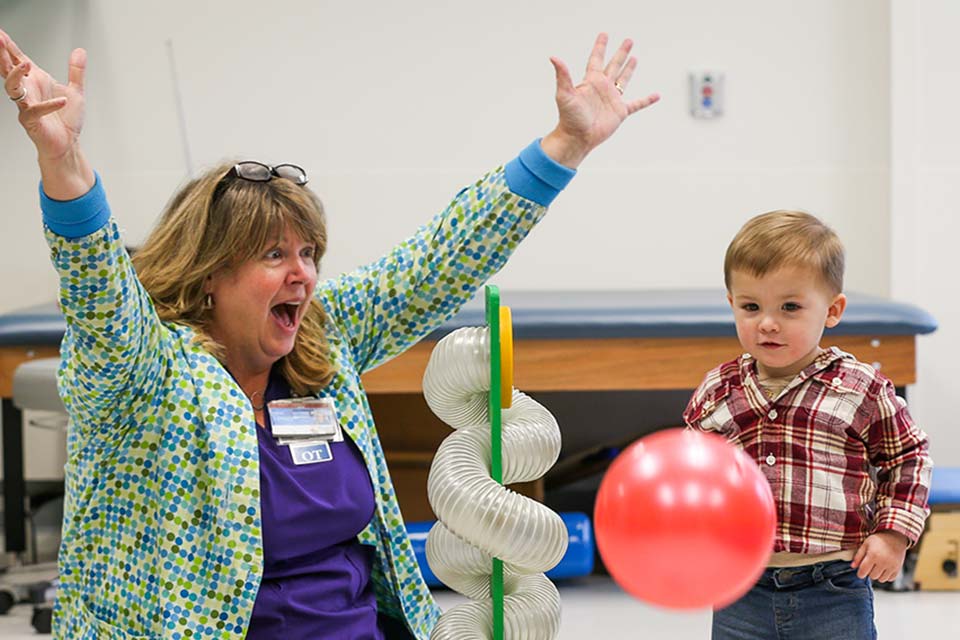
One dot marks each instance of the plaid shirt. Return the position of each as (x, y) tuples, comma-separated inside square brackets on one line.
[(839, 448)]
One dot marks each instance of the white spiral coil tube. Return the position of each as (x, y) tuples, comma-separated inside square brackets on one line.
[(479, 519)]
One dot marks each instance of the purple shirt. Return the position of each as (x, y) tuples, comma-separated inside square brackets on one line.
[(316, 575)]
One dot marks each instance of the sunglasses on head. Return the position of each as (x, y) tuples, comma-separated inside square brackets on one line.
[(254, 171), (259, 172)]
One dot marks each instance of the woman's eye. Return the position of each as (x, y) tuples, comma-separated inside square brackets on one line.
[(274, 254), (309, 252)]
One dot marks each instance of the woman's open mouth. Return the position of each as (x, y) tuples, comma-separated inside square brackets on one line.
[(286, 314)]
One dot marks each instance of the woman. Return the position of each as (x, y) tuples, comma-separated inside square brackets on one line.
[(189, 513)]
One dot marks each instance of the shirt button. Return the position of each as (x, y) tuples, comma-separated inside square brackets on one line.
[(772, 414), (771, 460), (836, 381)]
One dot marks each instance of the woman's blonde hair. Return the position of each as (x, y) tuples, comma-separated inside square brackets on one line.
[(207, 228), (786, 238)]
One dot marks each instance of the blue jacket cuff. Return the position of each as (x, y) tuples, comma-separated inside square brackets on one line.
[(535, 176), (78, 217)]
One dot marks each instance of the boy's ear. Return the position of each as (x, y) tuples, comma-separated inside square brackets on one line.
[(730, 299), (835, 312)]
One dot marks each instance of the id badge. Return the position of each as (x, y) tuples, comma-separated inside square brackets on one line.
[(303, 417)]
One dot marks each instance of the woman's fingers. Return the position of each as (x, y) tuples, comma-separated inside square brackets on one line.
[(15, 54), (12, 54), (34, 112), (614, 67), (6, 64), (635, 105), (595, 61), (15, 67), (14, 81), (626, 73), (78, 68), (564, 81)]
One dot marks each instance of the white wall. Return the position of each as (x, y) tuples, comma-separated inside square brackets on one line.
[(925, 226), (393, 106)]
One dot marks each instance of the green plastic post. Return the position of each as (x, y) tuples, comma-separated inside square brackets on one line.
[(496, 454)]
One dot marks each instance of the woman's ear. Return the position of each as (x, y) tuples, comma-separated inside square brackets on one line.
[(835, 312)]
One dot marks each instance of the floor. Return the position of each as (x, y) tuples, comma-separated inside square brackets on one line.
[(596, 604)]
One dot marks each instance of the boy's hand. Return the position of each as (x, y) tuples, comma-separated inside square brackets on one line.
[(881, 556)]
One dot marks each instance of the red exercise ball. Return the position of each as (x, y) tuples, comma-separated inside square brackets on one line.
[(685, 520)]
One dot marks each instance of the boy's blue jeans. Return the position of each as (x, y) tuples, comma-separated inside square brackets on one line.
[(824, 601)]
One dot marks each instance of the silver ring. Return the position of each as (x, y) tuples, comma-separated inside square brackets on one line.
[(20, 97), (616, 85)]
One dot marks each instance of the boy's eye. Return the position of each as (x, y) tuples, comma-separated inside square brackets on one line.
[(750, 306), (791, 306)]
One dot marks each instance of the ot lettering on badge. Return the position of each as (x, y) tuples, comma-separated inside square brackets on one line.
[(311, 453)]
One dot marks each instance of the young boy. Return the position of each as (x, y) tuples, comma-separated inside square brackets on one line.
[(848, 467)]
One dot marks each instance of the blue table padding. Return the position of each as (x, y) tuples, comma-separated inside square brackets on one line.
[(945, 486), (688, 313), (42, 325)]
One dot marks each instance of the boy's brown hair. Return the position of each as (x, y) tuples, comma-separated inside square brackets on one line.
[(786, 238)]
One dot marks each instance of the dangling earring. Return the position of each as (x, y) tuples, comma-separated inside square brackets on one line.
[(208, 301)]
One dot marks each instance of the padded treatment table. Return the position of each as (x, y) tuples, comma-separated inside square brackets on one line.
[(945, 488), (655, 342), (938, 552)]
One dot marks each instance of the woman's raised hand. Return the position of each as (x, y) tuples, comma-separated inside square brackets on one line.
[(591, 111), (52, 115)]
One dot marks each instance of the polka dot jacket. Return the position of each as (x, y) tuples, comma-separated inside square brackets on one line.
[(161, 531)]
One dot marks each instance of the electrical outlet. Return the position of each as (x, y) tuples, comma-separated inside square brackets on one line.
[(706, 94)]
